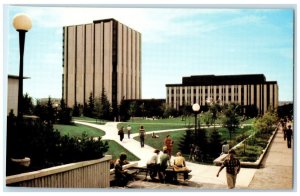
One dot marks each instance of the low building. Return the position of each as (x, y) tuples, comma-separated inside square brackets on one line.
[(246, 90), (12, 93)]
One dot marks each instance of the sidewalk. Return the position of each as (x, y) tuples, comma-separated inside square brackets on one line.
[(277, 171), (202, 174)]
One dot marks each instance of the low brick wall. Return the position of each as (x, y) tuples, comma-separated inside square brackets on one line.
[(85, 174)]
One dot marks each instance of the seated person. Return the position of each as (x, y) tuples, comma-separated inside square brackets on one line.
[(225, 148), (122, 177), (153, 165), (164, 163), (179, 164)]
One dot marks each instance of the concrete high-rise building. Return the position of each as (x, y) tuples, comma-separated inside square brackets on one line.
[(246, 90), (103, 55)]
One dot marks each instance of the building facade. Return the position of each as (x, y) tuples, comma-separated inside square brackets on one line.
[(246, 90), (101, 56)]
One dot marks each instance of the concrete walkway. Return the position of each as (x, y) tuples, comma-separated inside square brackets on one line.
[(202, 174), (277, 171)]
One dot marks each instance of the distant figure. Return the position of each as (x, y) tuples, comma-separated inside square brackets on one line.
[(122, 177), (225, 148), (153, 164), (164, 163), (142, 136), (179, 164), (289, 133), (128, 131), (121, 133), (233, 167), (168, 142), (154, 135), (192, 150)]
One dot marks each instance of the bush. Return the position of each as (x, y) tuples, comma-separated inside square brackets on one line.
[(46, 147)]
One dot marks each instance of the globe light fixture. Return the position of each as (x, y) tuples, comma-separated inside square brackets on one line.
[(22, 23)]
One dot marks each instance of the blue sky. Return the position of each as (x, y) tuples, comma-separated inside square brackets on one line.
[(175, 43)]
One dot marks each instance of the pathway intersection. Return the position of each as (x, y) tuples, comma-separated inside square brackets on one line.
[(201, 174)]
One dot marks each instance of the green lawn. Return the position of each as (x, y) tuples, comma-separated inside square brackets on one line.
[(115, 150), (90, 120), (158, 143), (159, 124), (77, 130)]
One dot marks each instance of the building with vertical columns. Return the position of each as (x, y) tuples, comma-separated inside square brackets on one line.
[(103, 55), (246, 90)]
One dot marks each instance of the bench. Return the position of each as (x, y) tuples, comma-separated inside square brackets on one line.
[(172, 176), (128, 167)]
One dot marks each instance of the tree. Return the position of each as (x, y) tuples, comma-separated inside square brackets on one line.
[(201, 141), (207, 118), (76, 110), (230, 118), (132, 108), (266, 123), (28, 107), (186, 141), (64, 113), (89, 108), (50, 111), (215, 144), (102, 107)]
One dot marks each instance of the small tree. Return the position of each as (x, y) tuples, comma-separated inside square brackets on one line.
[(230, 119), (186, 141), (266, 123), (76, 110), (28, 107), (64, 113), (215, 144), (132, 109)]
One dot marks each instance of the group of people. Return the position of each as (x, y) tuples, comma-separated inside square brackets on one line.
[(287, 131), (158, 163), (121, 132)]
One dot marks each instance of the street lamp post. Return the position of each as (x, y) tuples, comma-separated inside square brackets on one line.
[(22, 23), (196, 109)]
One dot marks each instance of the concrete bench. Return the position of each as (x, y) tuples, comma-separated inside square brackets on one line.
[(173, 176), (127, 166)]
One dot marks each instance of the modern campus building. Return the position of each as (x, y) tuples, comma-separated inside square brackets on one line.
[(103, 55), (245, 90)]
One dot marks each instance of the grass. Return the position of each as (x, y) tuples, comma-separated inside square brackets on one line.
[(90, 120), (77, 130), (116, 149), (158, 143), (155, 125)]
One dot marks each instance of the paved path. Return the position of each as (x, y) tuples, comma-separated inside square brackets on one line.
[(277, 171), (203, 174)]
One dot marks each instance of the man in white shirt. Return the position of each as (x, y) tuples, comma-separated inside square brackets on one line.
[(153, 165)]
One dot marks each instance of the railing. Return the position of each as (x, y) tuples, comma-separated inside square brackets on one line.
[(85, 174)]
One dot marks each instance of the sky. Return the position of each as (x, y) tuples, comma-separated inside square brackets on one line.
[(176, 42)]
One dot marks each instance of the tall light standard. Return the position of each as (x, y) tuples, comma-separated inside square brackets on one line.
[(22, 23), (196, 109)]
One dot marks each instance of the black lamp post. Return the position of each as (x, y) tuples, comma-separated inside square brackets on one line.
[(196, 109), (22, 23)]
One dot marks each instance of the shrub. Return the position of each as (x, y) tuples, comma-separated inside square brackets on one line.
[(46, 147)]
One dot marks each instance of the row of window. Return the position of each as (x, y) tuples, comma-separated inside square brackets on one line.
[(211, 90)]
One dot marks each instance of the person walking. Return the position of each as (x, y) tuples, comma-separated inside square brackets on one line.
[(128, 131), (121, 133), (233, 167), (168, 142), (142, 136), (289, 133)]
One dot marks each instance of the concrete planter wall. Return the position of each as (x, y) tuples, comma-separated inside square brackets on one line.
[(218, 161), (85, 174)]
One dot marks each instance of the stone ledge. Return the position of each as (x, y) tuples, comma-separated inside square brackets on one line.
[(218, 161)]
